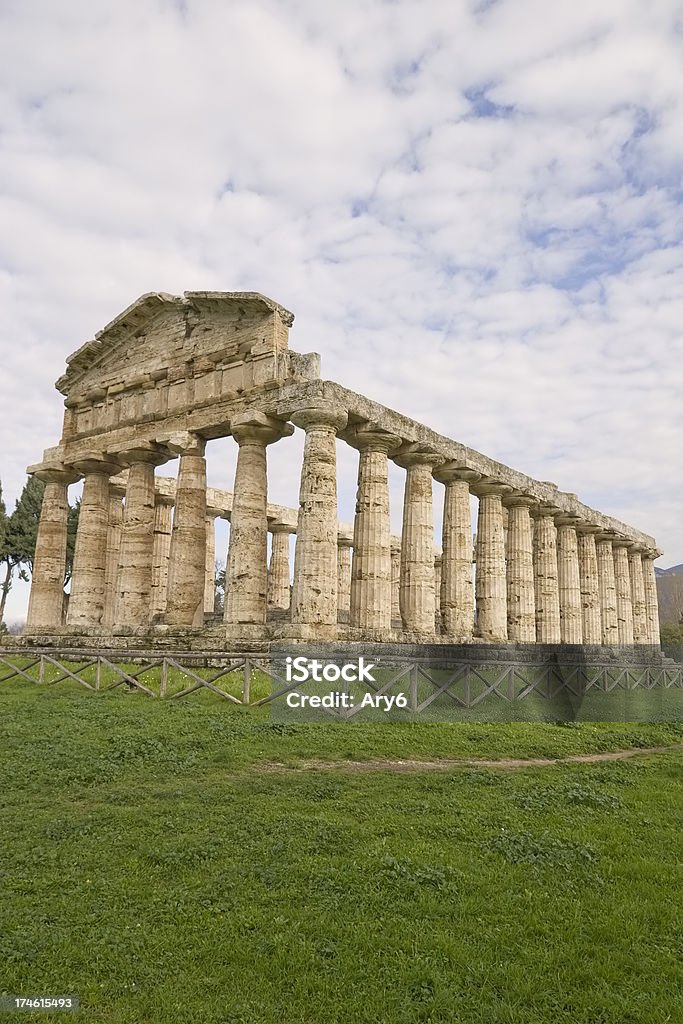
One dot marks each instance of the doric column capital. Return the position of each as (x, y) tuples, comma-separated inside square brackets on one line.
[(449, 471), (586, 528), (489, 485), (319, 417), (344, 541), (214, 513), (371, 437), (183, 442), (651, 553), (518, 499), (606, 536), (254, 427), (415, 455), (621, 542), (566, 519), (544, 510), (117, 489), (62, 474), (103, 464), (279, 527), (148, 453), (165, 500)]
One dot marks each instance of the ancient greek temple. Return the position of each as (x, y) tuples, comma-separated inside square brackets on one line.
[(170, 375)]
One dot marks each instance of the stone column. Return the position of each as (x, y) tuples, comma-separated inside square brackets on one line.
[(456, 596), (521, 603), (651, 603), (506, 521), (590, 588), (344, 545), (86, 603), (416, 595), (278, 574), (314, 594), (212, 514), (608, 590), (569, 580), (133, 605), (395, 579), (111, 571), (546, 585), (49, 562), (438, 567), (246, 574), (635, 564), (163, 525), (187, 556), (491, 575), (370, 601), (622, 582)]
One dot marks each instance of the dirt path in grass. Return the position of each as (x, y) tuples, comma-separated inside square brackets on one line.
[(387, 765)]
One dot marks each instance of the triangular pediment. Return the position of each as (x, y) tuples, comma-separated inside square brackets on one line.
[(164, 335)]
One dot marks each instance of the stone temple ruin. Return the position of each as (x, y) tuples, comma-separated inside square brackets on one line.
[(171, 374)]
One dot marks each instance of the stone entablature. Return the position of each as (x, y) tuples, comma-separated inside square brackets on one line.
[(172, 373), (214, 422)]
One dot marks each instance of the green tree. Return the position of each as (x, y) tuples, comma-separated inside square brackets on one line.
[(19, 533), (671, 634), (3, 534), (8, 563), (23, 524), (71, 528), (19, 537), (219, 587), (3, 519)]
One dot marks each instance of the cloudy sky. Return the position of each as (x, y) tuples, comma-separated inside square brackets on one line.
[(473, 209)]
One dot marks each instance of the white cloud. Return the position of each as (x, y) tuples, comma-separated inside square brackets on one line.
[(474, 210)]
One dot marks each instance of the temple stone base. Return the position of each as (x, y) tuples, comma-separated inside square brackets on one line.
[(212, 641)]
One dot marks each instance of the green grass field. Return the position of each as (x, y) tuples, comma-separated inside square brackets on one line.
[(176, 861)]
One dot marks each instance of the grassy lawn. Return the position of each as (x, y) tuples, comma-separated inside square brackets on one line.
[(156, 864)]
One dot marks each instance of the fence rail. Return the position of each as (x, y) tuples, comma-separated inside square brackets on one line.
[(247, 679), (154, 674)]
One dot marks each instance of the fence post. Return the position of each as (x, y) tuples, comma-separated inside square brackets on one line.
[(164, 677), (413, 688), (246, 685)]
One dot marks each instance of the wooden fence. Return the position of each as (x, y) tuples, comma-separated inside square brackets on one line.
[(252, 680)]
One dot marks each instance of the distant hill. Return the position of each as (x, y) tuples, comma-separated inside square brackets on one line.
[(670, 595), (669, 572)]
